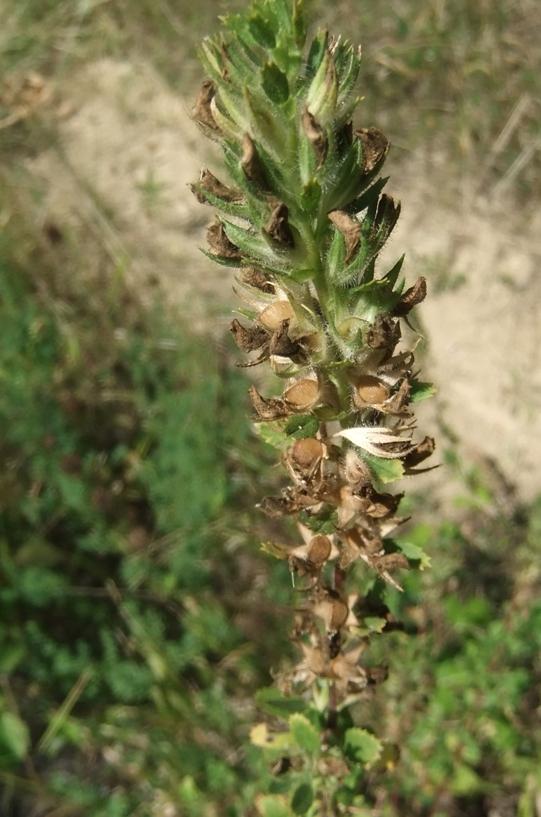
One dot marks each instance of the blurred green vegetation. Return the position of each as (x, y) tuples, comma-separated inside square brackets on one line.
[(462, 699), (137, 617), (127, 489)]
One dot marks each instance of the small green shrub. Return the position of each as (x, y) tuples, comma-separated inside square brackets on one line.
[(119, 604)]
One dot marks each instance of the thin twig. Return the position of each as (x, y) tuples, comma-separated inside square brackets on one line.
[(520, 162)]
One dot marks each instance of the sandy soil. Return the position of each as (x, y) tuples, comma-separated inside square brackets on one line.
[(128, 151)]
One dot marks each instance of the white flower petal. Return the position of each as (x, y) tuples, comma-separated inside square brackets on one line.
[(371, 439)]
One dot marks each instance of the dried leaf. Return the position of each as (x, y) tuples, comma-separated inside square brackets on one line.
[(375, 147), (220, 244), (278, 227), (209, 183), (386, 215), (355, 470), (272, 408), (278, 505), (202, 111), (384, 333), (315, 135), (350, 229), (256, 278), (391, 561), (411, 297), (248, 339), (281, 343), (398, 401), (333, 612), (251, 164), (420, 453)]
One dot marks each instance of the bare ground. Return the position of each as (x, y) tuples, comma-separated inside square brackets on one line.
[(127, 152)]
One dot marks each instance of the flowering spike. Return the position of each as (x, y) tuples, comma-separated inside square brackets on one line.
[(304, 220)]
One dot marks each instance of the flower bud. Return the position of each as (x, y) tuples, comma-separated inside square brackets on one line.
[(323, 92)]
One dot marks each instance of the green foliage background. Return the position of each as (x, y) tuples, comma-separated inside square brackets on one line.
[(137, 617)]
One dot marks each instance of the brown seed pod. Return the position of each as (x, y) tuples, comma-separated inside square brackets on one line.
[(369, 391), (333, 611), (302, 395), (273, 316), (319, 550), (306, 454)]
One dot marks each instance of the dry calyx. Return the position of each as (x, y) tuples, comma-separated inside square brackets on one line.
[(302, 220)]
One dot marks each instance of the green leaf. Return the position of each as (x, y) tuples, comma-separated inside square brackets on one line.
[(310, 195), (275, 741), (364, 200), (317, 52), (276, 549), (274, 83), (273, 807), (392, 275), (465, 781), (415, 553), (231, 208), (301, 427), (304, 734), (325, 524), (272, 701), (272, 434), (374, 624), (262, 32), (300, 23), (280, 12), (14, 735), (384, 470), (248, 241), (363, 745), (336, 255), (421, 391), (280, 785), (302, 798), (10, 656)]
